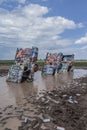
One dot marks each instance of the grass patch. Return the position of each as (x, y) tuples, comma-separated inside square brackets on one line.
[(6, 62), (80, 63), (77, 63)]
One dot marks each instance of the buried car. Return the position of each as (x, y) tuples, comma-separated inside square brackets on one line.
[(55, 62), (68, 62), (24, 65)]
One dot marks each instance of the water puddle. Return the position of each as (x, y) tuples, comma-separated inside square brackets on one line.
[(13, 94), (80, 73)]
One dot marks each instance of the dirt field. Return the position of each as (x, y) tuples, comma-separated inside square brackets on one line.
[(63, 107)]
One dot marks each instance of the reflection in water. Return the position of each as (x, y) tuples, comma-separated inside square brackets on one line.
[(13, 93), (52, 82), (22, 90), (6, 96), (80, 73)]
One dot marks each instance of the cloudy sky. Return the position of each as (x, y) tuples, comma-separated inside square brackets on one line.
[(50, 25)]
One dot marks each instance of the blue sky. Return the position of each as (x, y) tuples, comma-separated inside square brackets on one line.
[(50, 25)]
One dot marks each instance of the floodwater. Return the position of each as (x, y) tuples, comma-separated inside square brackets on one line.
[(13, 93)]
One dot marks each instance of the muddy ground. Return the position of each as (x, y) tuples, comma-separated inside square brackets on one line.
[(4, 70), (60, 108)]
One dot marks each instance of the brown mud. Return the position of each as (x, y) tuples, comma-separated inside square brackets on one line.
[(4, 70), (47, 103)]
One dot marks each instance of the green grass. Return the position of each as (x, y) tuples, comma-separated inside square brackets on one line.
[(77, 63), (41, 63), (6, 62), (80, 63)]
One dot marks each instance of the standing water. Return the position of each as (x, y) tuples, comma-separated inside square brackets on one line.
[(13, 93)]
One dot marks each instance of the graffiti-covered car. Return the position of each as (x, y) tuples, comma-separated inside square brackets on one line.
[(24, 65), (52, 63), (56, 62), (68, 62)]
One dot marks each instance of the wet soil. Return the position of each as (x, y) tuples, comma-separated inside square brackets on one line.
[(4, 70), (49, 103)]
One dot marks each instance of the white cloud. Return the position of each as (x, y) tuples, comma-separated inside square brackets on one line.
[(79, 53), (84, 47), (28, 26), (80, 25), (19, 1), (22, 1), (34, 10), (82, 40)]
